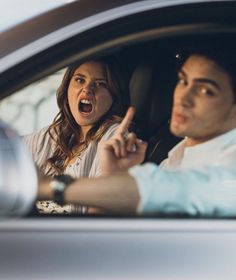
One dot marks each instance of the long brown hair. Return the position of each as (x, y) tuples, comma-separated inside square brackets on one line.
[(64, 130)]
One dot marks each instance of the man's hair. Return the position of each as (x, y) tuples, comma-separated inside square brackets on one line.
[(222, 53)]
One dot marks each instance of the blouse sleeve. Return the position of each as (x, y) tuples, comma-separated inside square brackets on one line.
[(95, 169), (38, 145)]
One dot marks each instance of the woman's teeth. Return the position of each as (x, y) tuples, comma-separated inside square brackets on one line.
[(85, 101), (85, 106)]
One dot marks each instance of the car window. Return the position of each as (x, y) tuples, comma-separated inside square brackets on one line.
[(33, 107), (149, 58)]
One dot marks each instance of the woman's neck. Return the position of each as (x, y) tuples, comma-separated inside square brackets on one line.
[(84, 130)]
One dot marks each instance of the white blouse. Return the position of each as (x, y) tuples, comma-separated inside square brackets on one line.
[(42, 146)]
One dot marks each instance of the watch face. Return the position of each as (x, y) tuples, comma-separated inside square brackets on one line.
[(58, 185), (58, 188)]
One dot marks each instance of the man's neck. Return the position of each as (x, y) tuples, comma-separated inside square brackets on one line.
[(190, 142)]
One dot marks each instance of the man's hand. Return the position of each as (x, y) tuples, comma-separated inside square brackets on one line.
[(44, 190), (123, 150)]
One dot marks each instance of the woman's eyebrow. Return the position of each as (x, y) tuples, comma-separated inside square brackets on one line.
[(100, 79), (79, 74), (95, 78)]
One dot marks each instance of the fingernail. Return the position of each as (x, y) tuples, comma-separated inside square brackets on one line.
[(133, 149)]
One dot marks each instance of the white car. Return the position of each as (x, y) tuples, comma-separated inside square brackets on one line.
[(147, 37)]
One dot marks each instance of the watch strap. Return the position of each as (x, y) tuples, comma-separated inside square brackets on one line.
[(59, 185)]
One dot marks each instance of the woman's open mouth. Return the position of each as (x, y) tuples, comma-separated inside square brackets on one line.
[(85, 106)]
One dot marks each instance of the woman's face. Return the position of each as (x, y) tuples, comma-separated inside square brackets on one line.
[(88, 95)]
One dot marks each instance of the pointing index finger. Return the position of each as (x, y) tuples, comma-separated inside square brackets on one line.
[(124, 125)]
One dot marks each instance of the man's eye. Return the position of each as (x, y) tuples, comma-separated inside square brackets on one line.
[(206, 92), (181, 81)]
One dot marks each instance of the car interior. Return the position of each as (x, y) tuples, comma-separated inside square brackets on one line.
[(151, 87), (152, 78), (150, 72)]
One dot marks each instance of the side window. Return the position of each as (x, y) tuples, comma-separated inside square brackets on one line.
[(33, 107)]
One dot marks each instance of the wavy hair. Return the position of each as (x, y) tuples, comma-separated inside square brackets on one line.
[(64, 130)]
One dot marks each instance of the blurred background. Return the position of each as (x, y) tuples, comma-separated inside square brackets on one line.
[(33, 107)]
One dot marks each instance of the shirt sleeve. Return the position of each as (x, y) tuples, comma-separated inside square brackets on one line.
[(210, 191)]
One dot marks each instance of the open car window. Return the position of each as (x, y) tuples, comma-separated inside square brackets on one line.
[(151, 70), (148, 51), (181, 229), (33, 107)]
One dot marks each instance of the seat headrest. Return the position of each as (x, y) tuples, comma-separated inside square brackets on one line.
[(151, 89)]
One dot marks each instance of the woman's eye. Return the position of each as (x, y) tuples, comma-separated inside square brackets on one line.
[(101, 84), (80, 80)]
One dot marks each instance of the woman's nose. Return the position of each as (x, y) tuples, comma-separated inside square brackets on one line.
[(88, 88)]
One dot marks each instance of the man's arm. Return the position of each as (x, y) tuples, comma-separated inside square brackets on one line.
[(116, 190), (114, 193)]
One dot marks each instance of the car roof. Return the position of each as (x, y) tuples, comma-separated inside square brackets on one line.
[(73, 18), (56, 35), (25, 10)]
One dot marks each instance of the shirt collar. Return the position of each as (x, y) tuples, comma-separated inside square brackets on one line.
[(203, 153)]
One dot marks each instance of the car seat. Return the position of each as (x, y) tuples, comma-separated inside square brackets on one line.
[(151, 89)]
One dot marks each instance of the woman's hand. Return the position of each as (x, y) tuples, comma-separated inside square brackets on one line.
[(123, 150)]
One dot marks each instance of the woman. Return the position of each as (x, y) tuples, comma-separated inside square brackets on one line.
[(89, 99)]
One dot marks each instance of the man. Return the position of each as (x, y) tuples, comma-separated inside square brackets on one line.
[(199, 175)]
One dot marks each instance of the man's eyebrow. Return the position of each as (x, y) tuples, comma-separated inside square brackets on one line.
[(182, 72), (202, 80), (208, 81)]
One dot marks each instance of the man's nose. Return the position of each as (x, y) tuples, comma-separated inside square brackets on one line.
[(185, 97)]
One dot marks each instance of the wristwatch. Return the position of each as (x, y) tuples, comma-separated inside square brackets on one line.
[(59, 185)]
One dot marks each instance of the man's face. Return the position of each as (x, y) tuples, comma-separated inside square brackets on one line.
[(203, 105)]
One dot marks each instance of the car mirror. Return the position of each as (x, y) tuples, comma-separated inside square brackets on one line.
[(18, 176)]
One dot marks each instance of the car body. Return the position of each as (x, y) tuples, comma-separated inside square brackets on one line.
[(114, 247)]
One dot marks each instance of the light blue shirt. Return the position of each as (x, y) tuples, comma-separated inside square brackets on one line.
[(193, 180)]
